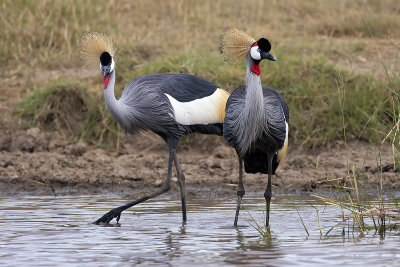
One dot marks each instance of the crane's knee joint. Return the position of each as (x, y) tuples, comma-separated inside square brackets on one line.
[(240, 193), (268, 195)]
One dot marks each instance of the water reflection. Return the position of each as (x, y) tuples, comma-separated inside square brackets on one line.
[(259, 250), (49, 231)]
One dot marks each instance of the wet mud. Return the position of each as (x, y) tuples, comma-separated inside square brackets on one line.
[(40, 162)]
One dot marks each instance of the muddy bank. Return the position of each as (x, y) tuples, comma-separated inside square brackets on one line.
[(37, 162)]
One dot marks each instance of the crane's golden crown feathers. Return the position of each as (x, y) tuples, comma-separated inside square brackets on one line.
[(235, 45), (92, 45)]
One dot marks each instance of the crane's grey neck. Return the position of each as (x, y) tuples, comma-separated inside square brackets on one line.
[(109, 96), (112, 104), (254, 94), (253, 112), (133, 111)]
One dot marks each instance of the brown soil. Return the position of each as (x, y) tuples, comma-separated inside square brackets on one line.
[(37, 162)]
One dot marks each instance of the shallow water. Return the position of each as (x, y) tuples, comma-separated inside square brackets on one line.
[(44, 231)]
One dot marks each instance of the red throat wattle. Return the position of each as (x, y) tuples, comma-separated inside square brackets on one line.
[(256, 69), (106, 80)]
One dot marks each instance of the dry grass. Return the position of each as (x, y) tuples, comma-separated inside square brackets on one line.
[(46, 33), (379, 216)]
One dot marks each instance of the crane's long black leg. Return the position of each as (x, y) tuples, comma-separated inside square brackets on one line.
[(240, 191), (181, 182), (268, 191), (116, 213)]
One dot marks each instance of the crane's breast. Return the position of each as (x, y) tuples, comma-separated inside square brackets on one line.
[(206, 110)]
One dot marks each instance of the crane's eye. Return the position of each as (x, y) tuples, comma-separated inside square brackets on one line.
[(258, 50)]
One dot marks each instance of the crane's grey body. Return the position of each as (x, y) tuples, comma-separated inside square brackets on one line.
[(270, 140), (144, 105)]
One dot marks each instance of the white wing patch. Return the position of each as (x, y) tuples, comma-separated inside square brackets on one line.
[(282, 152), (206, 110)]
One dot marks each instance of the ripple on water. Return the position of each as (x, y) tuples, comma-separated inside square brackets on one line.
[(46, 231)]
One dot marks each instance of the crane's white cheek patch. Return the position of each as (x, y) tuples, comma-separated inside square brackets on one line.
[(254, 53), (206, 110), (112, 65)]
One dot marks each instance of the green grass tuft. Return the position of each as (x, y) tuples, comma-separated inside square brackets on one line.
[(68, 108), (59, 106)]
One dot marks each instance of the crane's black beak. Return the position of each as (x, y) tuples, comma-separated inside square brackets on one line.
[(267, 55)]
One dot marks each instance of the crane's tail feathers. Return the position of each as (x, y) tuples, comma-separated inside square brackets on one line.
[(235, 45), (92, 45)]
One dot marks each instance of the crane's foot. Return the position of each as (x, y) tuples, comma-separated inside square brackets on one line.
[(106, 218)]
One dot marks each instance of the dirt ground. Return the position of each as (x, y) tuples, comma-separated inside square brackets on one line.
[(37, 162)]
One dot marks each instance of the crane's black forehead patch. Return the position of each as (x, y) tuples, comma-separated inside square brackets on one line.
[(105, 59), (264, 44)]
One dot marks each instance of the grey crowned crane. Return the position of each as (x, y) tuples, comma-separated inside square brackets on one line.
[(170, 105), (257, 117)]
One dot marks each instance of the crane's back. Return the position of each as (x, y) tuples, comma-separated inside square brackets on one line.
[(172, 104), (181, 86)]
